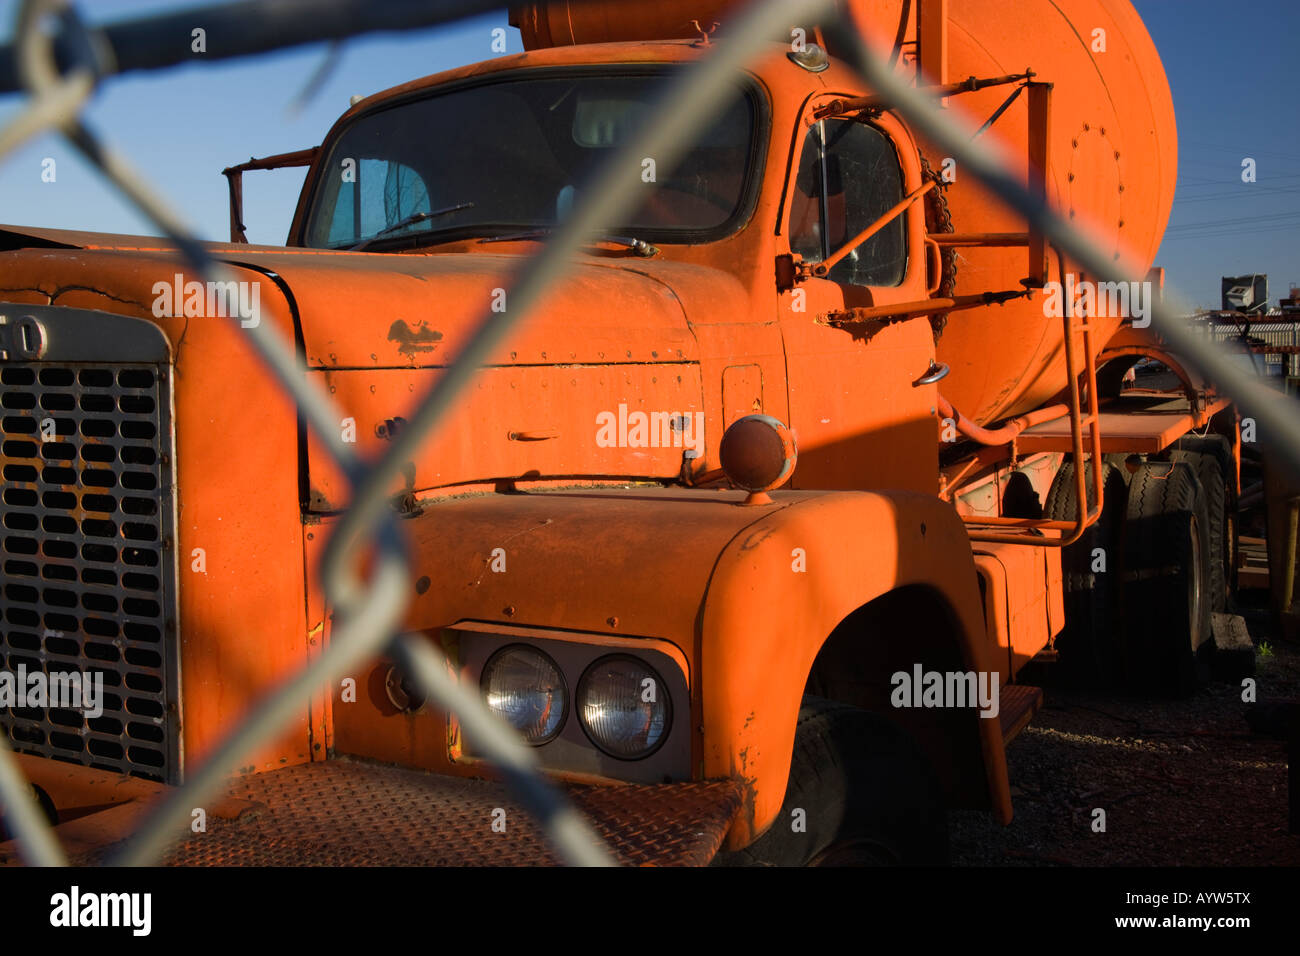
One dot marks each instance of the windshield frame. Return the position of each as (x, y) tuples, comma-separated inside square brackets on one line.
[(748, 85)]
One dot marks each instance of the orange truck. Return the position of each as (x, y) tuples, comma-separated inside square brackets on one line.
[(750, 529)]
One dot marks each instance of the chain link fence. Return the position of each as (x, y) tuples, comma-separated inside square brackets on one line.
[(57, 61)]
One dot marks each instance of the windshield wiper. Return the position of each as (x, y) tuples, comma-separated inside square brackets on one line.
[(639, 246), (409, 221)]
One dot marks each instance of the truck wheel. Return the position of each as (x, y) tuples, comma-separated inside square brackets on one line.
[(1118, 461), (46, 805), (1211, 457), (1166, 579), (1087, 651), (868, 796)]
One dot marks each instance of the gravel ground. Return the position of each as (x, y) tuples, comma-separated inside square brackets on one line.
[(1183, 783)]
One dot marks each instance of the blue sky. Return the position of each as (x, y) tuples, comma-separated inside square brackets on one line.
[(180, 127), (1231, 68)]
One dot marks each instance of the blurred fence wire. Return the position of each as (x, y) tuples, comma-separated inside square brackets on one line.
[(990, 165), (59, 71), (59, 68)]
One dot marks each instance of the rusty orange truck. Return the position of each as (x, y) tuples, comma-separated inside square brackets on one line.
[(757, 519)]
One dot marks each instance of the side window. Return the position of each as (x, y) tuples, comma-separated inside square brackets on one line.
[(382, 195), (849, 175)]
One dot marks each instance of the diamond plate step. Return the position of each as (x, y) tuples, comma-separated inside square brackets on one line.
[(349, 813)]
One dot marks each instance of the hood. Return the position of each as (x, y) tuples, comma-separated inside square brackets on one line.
[(601, 382), (372, 310)]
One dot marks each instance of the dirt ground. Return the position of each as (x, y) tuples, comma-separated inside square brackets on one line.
[(1182, 783)]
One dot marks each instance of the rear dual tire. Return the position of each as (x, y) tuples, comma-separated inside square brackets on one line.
[(1210, 456), (1167, 556), (1088, 651), (1166, 538)]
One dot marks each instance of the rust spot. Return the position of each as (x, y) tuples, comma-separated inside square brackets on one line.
[(749, 792), (411, 340)]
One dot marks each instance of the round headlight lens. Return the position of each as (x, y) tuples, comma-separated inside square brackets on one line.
[(624, 707), (525, 688)]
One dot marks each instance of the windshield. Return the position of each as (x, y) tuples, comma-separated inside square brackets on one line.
[(510, 156)]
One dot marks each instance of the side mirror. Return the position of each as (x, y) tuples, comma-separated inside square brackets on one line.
[(235, 176)]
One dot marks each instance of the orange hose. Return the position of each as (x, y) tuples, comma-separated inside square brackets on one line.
[(1008, 432)]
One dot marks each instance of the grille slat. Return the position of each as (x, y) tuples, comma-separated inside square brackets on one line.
[(84, 524)]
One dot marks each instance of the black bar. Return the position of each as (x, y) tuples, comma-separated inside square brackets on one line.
[(250, 27), (1293, 771), (942, 909)]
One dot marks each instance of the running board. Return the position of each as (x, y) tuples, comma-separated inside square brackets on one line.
[(1017, 704)]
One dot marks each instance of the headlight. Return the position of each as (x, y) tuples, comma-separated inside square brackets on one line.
[(624, 707), (523, 686)]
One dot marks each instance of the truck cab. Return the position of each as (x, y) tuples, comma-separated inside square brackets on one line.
[(702, 529)]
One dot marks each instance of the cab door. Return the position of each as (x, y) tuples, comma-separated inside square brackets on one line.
[(859, 420)]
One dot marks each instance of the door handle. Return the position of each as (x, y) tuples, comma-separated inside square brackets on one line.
[(536, 434), (936, 371)]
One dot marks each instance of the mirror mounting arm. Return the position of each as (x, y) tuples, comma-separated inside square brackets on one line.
[(235, 176), (821, 269)]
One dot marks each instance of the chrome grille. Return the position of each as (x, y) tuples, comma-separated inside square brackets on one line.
[(85, 539)]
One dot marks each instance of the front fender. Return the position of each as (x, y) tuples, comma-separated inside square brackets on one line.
[(692, 567), (781, 587)]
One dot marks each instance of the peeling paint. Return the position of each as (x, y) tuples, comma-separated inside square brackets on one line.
[(61, 290), (411, 340), (487, 562), (749, 785), (48, 298)]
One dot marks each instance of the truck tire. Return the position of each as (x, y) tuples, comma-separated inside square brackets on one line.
[(869, 797), (1211, 457), (1119, 461), (1166, 556), (46, 805), (1088, 654)]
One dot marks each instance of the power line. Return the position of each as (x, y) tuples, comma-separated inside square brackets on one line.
[(1243, 151), (1236, 181), (1235, 220), (1223, 234), (1230, 197)]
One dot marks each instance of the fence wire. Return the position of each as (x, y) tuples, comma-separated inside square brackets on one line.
[(989, 163), (366, 613), (60, 70)]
